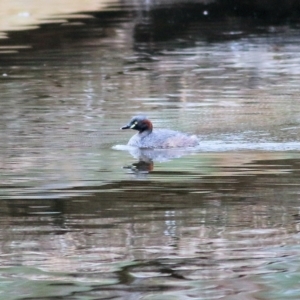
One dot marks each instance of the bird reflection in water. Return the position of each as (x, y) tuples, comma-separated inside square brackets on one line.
[(147, 157)]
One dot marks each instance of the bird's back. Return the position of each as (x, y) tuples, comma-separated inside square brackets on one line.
[(163, 139)]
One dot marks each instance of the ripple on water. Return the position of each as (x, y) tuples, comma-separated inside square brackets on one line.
[(80, 220)]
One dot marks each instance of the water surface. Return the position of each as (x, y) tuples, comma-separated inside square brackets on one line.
[(82, 218)]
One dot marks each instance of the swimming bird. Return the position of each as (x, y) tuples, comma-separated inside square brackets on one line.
[(150, 138)]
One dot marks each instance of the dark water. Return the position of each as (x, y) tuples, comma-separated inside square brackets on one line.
[(82, 218)]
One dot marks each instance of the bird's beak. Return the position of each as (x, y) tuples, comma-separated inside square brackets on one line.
[(125, 127)]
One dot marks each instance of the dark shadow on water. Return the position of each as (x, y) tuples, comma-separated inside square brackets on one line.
[(177, 22), (141, 166)]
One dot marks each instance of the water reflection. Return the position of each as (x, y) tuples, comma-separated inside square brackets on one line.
[(170, 237), (219, 221)]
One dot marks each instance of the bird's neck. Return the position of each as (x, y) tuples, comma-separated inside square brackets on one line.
[(145, 132)]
